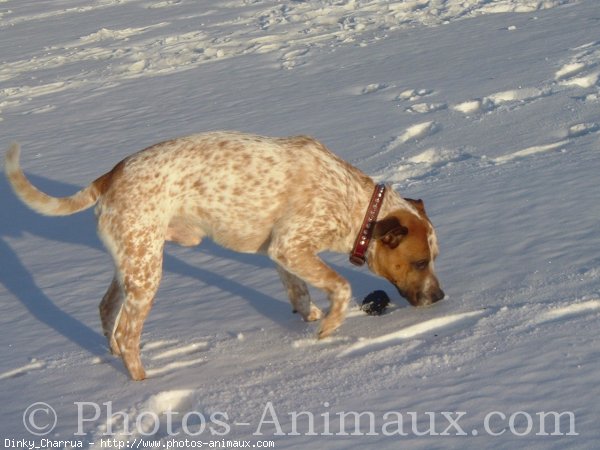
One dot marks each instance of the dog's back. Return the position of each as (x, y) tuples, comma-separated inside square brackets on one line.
[(232, 187)]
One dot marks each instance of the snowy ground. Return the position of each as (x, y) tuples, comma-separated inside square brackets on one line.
[(488, 110)]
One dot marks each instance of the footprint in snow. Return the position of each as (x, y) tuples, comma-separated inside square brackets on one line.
[(419, 107), (530, 151), (584, 81), (294, 58), (581, 129), (574, 131), (413, 95), (373, 87), (424, 108), (569, 70), (414, 132), (519, 97), (581, 71)]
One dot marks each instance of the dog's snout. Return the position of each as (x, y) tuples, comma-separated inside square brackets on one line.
[(437, 296)]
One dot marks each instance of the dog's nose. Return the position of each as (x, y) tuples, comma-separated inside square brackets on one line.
[(437, 296)]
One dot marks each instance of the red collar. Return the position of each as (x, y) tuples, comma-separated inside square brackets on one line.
[(359, 251)]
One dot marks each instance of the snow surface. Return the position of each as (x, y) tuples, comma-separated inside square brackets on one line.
[(488, 110)]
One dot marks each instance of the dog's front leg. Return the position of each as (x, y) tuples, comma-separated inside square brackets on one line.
[(299, 296), (305, 264)]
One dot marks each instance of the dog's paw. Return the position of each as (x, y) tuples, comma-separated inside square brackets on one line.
[(134, 366), (328, 326), (314, 314)]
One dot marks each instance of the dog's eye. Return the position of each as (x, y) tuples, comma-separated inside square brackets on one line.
[(421, 265)]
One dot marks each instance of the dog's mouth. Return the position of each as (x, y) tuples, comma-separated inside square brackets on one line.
[(405, 295), (420, 299)]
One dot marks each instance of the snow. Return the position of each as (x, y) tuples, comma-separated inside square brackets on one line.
[(487, 110)]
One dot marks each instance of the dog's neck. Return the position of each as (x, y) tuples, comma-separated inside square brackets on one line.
[(392, 201), (358, 255)]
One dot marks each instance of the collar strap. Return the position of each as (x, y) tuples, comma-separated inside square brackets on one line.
[(359, 251)]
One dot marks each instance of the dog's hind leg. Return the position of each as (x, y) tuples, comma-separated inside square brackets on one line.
[(109, 309), (140, 282), (138, 255), (299, 296)]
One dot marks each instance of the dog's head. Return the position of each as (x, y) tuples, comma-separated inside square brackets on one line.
[(403, 251)]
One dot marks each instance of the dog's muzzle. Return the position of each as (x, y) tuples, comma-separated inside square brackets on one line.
[(421, 298)]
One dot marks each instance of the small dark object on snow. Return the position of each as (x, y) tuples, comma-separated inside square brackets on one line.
[(375, 303)]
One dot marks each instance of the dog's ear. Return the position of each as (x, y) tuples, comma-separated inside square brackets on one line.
[(417, 204), (389, 231)]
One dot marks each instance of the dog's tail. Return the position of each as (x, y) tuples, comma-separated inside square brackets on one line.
[(43, 203)]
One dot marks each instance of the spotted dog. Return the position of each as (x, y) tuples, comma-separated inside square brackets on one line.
[(289, 198)]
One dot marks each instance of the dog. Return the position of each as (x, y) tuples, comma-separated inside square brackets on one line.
[(289, 198)]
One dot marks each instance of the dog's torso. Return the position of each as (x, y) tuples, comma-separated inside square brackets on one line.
[(240, 190)]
